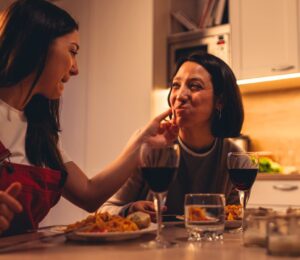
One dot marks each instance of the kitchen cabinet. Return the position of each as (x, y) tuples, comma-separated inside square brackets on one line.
[(165, 25), (264, 37), (275, 193)]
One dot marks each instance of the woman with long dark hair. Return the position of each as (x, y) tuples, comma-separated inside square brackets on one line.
[(38, 48)]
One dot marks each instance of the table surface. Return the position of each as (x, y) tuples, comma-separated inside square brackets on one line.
[(59, 248)]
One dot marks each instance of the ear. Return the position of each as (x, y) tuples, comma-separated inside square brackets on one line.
[(219, 104)]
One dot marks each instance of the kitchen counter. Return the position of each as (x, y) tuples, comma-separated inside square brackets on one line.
[(230, 248), (277, 176)]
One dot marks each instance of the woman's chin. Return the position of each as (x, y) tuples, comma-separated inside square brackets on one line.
[(55, 96), (181, 122)]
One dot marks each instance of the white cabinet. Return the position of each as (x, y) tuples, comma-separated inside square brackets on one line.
[(264, 37), (275, 193)]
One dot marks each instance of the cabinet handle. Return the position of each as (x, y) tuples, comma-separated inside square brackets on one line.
[(285, 187), (283, 68)]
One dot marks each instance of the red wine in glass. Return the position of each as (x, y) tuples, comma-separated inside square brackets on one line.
[(242, 168), (243, 179), (158, 166), (158, 178)]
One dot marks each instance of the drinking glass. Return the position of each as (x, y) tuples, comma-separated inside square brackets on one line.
[(159, 166), (283, 237), (243, 168), (204, 216), (255, 226)]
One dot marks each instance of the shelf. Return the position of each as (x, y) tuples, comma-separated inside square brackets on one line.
[(191, 35)]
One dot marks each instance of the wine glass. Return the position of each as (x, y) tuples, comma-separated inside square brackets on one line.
[(243, 168), (159, 166)]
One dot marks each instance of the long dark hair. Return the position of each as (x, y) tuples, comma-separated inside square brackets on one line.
[(27, 29), (228, 122)]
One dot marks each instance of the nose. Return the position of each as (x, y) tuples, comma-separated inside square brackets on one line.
[(74, 69), (183, 94)]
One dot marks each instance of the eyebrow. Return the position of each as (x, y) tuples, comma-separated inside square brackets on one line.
[(190, 79)]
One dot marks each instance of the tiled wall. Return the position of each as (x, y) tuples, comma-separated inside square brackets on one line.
[(272, 120)]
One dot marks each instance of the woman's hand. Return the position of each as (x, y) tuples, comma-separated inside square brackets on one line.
[(86, 193), (157, 133), (9, 205), (144, 206), (160, 133)]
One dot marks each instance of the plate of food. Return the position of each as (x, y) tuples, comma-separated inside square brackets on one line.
[(106, 227), (233, 216)]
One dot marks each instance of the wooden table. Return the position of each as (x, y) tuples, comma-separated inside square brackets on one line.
[(230, 248)]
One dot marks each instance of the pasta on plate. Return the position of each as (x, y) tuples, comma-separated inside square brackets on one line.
[(102, 223), (233, 212)]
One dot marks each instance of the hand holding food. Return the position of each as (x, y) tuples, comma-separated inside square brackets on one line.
[(160, 133)]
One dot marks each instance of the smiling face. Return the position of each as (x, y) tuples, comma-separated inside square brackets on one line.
[(60, 65), (191, 96)]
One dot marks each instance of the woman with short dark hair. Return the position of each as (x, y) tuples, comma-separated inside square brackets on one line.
[(207, 108), (38, 46), (228, 115)]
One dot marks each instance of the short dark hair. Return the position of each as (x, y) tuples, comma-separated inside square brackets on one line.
[(27, 29), (225, 88)]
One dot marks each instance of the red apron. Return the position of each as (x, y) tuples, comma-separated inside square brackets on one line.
[(41, 190)]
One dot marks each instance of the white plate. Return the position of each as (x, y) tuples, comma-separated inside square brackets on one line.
[(110, 236), (229, 224)]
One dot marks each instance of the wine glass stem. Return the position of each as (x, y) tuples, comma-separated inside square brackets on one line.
[(243, 200), (158, 197)]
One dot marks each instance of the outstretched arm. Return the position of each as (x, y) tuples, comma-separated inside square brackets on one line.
[(89, 194)]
